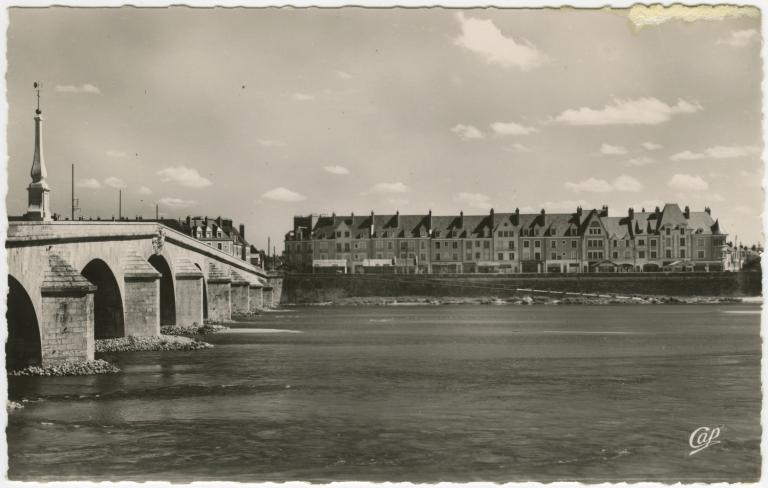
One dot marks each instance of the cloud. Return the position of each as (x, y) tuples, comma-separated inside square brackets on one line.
[(511, 129), (114, 182), (86, 88), (282, 194), (641, 111), (685, 182), (566, 205), (144, 190), (303, 97), (183, 176), (467, 131), (648, 205), (518, 148), (396, 187), (740, 38), (117, 154), (608, 149), (398, 201), (343, 75), (651, 146), (336, 170), (641, 161), (594, 185), (482, 37), (91, 183), (176, 202), (270, 142), (716, 152), (478, 201)]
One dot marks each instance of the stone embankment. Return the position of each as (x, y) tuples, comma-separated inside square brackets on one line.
[(525, 300), (150, 343), (80, 368)]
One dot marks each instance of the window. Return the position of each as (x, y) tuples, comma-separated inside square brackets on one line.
[(526, 244), (469, 256), (537, 243), (553, 255), (346, 246), (669, 253), (421, 244), (338, 234), (641, 254), (699, 242), (219, 246), (574, 244), (700, 254), (641, 242), (511, 256), (338, 247), (437, 256), (682, 232), (346, 233), (501, 256), (422, 257), (437, 245), (653, 255), (682, 253), (667, 230), (654, 242), (455, 245), (477, 255), (553, 244), (682, 241), (615, 243), (512, 245), (537, 256), (486, 245), (615, 255)]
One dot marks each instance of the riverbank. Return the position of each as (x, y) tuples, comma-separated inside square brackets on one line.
[(558, 299), (191, 331)]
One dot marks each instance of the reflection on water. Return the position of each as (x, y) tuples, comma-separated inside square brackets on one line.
[(426, 394)]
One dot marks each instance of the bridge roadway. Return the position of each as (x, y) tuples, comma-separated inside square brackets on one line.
[(73, 282)]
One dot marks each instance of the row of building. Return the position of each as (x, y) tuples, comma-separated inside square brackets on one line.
[(668, 238)]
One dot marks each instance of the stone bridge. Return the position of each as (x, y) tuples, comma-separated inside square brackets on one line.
[(72, 282)]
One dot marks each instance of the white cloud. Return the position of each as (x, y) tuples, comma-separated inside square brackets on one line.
[(594, 185), (176, 202), (685, 182), (114, 182), (303, 97), (398, 201), (716, 152), (467, 131), (117, 154), (91, 183), (343, 75), (740, 38), (86, 88), (511, 129), (651, 146), (395, 187), (517, 148), (144, 190), (270, 142), (609, 149), (641, 111), (651, 15), (474, 200), (648, 205), (282, 194), (641, 161), (484, 38), (183, 176), (566, 205), (336, 170)]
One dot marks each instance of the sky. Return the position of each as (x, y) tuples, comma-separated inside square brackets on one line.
[(262, 114)]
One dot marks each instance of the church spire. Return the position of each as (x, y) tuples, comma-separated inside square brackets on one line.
[(39, 207)]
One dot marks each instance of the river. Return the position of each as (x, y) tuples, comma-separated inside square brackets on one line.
[(414, 393)]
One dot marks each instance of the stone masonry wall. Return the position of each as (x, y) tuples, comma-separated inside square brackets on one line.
[(67, 328), (142, 307)]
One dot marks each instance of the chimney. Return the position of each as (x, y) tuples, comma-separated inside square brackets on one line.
[(631, 213), (333, 216), (657, 211), (461, 219), (493, 223), (687, 212), (371, 228), (707, 209), (517, 216), (397, 218), (604, 211), (188, 220), (578, 211), (242, 231), (429, 222), (543, 217)]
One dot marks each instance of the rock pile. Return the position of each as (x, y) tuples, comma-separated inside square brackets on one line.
[(162, 343), (75, 368), (191, 330)]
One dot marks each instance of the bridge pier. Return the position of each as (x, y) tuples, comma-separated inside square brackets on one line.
[(142, 297), (240, 288), (219, 294), (66, 322), (189, 293), (266, 294), (257, 299)]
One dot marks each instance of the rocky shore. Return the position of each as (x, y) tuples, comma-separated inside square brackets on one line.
[(191, 330), (78, 368), (534, 299), (161, 343)]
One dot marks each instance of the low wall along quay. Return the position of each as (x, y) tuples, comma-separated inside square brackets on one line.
[(313, 288)]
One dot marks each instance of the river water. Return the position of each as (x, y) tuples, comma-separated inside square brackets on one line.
[(414, 393)]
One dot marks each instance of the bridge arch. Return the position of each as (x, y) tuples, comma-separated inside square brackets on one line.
[(107, 301), (167, 289), (23, 347)]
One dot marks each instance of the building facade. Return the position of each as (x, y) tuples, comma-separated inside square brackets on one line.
[(665, 239), (218, 233)]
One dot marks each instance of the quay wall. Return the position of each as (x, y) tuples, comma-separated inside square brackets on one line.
[(309, 288)]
